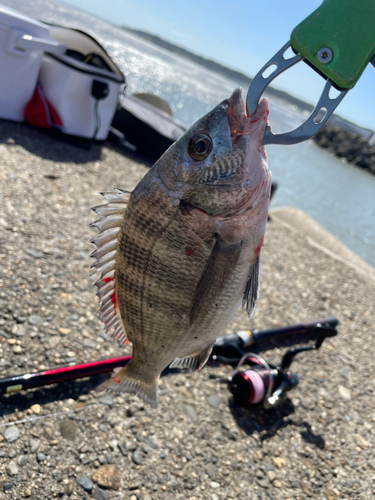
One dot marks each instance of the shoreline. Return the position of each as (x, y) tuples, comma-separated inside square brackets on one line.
[(198, 445)]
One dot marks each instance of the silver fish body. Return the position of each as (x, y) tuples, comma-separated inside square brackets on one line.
[(185, 247)]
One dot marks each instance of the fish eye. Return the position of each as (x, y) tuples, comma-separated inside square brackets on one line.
[(200, 146)]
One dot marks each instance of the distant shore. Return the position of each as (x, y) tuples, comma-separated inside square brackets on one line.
[(339, 136), (350, 137)]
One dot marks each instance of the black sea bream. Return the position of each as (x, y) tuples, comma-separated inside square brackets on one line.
[(181, 252)]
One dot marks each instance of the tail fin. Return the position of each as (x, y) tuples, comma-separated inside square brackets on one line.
[(122, 381)]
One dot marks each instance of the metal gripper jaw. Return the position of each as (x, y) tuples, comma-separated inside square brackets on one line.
[(314, 122)]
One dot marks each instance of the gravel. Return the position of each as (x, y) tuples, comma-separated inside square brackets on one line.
[(319, 442)]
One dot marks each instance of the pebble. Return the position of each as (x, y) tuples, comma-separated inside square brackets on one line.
[(263, 483), (68, 429), (7, 486), (305, 489), (69, 488), (34, 445), (362, 441), (107, 400), (11, 433), (277, 483), (136, 458), (34, 319), (86, 483), (17, 349), (345, 371), (37, 254), (99, 494), (35, 409), (107, 476), (21, 330), (213, 400), (330, 494), (278, 462), (48, 432), (190, 412), (344, 392), (214, 485), (91, 344), (22, 460), (271, 475), (259, 474), (83, 447), (64, 331), (53, 342), (12, 469), (40, 457)]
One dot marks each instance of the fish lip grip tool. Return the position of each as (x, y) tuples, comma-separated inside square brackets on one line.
[(338, 41)]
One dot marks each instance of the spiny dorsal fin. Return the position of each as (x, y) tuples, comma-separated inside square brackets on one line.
[(111, 218)]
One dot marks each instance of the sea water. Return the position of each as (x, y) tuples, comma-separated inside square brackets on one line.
[(339, 196)]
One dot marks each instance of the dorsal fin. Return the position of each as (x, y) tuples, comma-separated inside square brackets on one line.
[(111, 218)]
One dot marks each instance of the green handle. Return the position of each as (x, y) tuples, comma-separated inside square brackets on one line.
[(347, 29)]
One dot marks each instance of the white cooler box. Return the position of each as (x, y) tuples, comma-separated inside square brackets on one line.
[(22, 42), (82, 85)]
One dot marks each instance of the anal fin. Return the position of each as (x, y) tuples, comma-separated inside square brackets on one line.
[(195, 362)]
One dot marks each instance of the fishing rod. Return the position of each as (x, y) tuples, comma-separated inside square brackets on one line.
[(324, 327)]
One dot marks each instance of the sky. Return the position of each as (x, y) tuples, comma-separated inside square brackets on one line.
[(241, 34)]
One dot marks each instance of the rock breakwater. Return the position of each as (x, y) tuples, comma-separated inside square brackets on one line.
[(347, 144)]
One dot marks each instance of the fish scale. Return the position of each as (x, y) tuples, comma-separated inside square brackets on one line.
[(182, 251)]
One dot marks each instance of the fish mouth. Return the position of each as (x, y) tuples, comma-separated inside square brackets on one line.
[(239, 122)]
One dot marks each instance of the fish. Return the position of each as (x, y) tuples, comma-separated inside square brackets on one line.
[(179, 254)]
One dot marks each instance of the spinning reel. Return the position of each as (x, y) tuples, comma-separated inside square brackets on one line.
[(254, 381)]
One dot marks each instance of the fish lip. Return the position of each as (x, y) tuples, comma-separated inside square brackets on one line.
[(239, 122), (236, 111)]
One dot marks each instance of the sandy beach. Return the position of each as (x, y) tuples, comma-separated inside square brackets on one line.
[(68, 441)]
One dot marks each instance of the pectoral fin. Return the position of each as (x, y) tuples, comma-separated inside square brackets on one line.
[(219, 268), (251, 292)]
